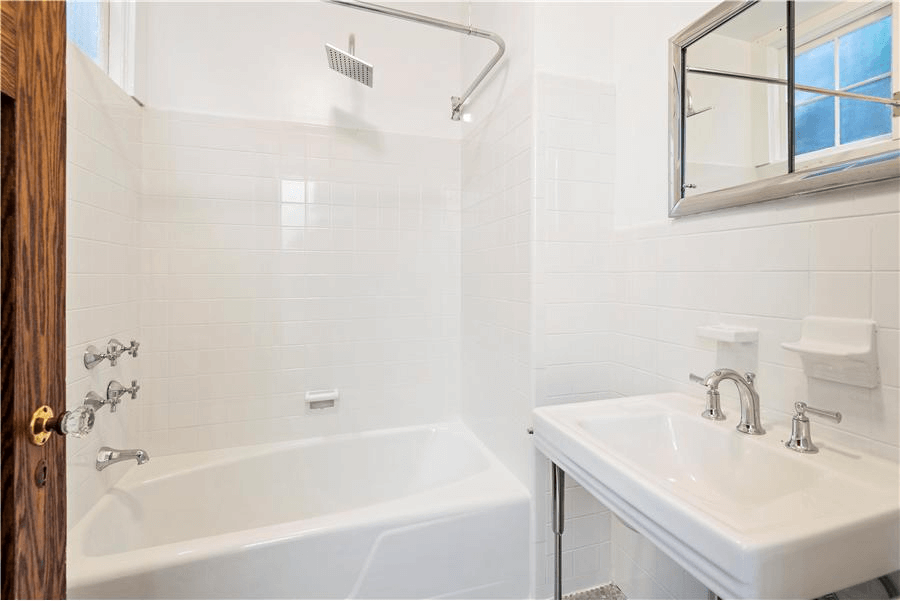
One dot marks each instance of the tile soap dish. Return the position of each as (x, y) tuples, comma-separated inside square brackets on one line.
[(728, 333), (838, 350)]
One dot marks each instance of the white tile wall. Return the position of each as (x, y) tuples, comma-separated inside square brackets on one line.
[(574, 136), (573, 228), (279, 258), (496, 389), (765, 269), (103, 178)]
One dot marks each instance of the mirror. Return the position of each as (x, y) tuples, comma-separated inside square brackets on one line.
[(775, 99), (735, 129)]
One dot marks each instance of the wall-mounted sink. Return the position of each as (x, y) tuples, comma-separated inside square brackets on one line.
[(745, 515)]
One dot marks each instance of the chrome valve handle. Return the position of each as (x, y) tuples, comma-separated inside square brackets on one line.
[(93, 357), (802, 408), (132, 349), (96, 402), (115, 391), (116, 349), (801, 439)]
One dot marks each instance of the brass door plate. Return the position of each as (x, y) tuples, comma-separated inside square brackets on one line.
[(39, 434)]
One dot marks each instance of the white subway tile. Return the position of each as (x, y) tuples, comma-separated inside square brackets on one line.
[(885, 295), (841, 294), (841, 244)]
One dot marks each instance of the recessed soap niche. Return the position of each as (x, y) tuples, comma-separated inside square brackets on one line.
[(319, 402)]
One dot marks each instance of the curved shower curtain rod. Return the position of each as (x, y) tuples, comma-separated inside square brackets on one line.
[(456, 102)]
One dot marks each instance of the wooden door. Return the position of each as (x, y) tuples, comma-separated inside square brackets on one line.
[(32, 286)]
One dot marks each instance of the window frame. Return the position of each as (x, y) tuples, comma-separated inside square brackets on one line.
[(116, 42), (829, 26)]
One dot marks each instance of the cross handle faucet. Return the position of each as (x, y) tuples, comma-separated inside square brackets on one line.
[(116, 390)]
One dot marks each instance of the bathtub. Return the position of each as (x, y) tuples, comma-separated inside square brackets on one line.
[(405, 513)]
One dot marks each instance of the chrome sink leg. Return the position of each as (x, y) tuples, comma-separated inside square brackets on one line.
[(558, 494)]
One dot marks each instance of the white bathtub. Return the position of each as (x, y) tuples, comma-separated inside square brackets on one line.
[(406, 513)]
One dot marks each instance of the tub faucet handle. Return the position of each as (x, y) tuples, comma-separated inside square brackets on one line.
[(132, 349), (116, 390), (115, 349)]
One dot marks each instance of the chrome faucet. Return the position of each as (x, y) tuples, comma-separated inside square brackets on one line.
[(107, 456), (749, 423), (115, 391)]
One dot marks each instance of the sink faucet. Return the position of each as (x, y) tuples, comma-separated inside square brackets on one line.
[(107, 456), (749, 423)]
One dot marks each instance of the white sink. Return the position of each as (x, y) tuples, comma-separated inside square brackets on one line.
[(745, 515)]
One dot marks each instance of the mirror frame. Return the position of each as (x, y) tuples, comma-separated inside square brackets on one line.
[(872, 168)]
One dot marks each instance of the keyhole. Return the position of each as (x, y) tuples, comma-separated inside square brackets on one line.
[(40, 474)]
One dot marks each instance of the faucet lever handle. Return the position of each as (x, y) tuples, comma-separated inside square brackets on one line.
[(801, 439), (697, 379), (802, 409)]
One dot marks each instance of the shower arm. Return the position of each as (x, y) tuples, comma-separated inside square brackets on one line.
[(456, 102)]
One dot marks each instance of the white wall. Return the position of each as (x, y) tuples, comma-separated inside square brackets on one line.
[(266, 60), (574, 142), (641, 79), (102, 264), (496, 306), (514, 22), (574, 39), (280, 258)]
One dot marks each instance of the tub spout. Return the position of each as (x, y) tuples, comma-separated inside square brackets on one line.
[(107, 456)]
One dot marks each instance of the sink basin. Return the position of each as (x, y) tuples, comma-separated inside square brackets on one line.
[(743, 514)]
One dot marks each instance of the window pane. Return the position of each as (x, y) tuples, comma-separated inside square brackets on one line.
[(866, 52), (83, 26), (814, 126), (815, 68), (861, 119)]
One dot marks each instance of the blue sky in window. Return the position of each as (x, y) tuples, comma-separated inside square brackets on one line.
[(815, 68), (865, 52), (814, 124), (862, 54), (861, 119)]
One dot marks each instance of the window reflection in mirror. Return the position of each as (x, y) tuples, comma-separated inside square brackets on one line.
[(845, 46), (736, 129)]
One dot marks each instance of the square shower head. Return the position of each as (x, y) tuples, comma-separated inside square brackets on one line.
[(349, 65)]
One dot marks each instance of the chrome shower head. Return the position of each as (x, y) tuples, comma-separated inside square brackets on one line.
[(347, 64)]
